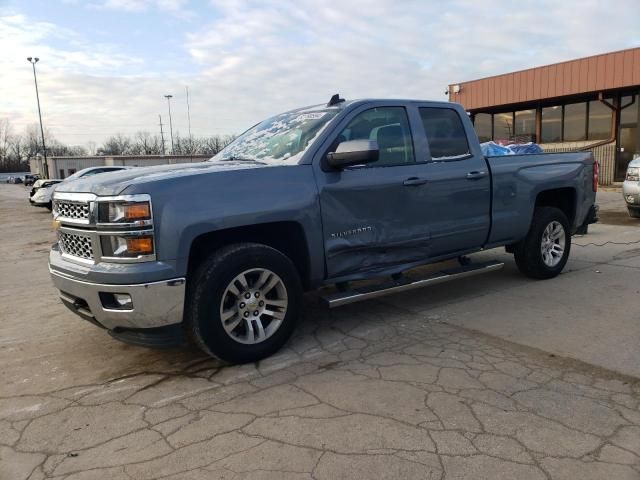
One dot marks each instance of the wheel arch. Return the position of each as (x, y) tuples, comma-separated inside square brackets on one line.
[(561, 198), (288, 237)]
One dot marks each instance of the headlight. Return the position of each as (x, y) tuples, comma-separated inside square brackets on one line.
[(633, 174), (120, 212), (127, 246)]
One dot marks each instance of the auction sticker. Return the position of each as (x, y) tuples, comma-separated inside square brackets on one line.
[(310, 116)]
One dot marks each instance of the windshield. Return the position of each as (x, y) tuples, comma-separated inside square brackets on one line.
[(280, 140)]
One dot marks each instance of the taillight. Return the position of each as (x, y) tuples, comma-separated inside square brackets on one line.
[(596, 176)]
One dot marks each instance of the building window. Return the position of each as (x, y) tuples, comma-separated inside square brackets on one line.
[(525, 125), (629, 110), (575, 122), (599, 121), (72, 171), (503, 126), (482, 124), (62, 173), (551, 124)]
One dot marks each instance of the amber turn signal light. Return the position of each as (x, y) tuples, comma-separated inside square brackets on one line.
[(140, 245)]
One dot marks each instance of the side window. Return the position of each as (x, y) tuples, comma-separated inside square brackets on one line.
[(389, 126), (91, 173), (445, 133)]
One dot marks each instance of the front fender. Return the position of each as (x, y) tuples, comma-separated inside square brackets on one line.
[(187, 207)]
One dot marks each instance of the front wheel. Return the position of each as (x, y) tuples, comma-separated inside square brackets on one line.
[(634, 212), (243, 302), (543, 253)]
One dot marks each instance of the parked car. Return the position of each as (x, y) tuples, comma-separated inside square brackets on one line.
[(30, 179), (631, 187), (325, 195), (41, 195), (14, 180)]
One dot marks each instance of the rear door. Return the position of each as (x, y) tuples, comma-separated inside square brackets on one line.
[(459, 184), (370, 216)]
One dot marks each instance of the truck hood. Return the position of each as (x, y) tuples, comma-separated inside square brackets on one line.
[(113, 183)]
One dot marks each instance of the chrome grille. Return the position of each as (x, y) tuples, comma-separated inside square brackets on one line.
[(76, 245), (73, 210)]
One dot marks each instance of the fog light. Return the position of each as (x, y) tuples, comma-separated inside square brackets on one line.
[(116, 301), (630, 198), (123, 299)]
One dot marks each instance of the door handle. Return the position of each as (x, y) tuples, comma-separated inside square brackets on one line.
[(475, 175), (414, 181)]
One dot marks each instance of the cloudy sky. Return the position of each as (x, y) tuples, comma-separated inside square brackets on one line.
[(106, 64)]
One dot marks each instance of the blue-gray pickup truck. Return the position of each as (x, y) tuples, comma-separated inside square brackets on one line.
[(329, 195)]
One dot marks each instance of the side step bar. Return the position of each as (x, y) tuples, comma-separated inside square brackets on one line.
[(338, 299)]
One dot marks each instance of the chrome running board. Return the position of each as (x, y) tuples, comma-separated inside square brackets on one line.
[(340, 298)]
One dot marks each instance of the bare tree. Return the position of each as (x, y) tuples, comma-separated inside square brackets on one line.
[(17, 149), (6, 134), (213, 144), (116, 145), (144, 143)]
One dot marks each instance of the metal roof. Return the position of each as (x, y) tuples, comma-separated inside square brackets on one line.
[(584, 75)]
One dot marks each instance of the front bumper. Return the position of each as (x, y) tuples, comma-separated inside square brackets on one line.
[(154, 305), (631, 193)]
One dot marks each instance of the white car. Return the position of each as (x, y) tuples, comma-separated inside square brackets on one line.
[(631, 188), (40, 195), (42, 190)]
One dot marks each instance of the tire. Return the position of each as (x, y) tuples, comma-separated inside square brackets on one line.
[(634, 212), (210, 297), (528, 253), (50, 206)]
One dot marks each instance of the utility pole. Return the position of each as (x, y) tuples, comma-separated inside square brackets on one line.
[(161, 133), (169, 97), (33, 62), (189, 120)]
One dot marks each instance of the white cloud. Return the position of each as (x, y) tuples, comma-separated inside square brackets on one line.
[(255, 58), (142, 5)]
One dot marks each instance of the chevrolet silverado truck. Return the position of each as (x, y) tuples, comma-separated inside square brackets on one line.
[(329, 195)]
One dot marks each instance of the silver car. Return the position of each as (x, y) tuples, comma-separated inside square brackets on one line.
[(631, 187)]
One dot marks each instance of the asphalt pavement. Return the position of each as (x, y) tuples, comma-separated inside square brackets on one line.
[(493, 377)]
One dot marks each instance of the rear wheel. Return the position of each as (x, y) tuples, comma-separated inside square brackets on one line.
[(544, 251), (243, 302)]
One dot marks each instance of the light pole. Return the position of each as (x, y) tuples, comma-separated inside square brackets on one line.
[(169, 97), (33, 62)]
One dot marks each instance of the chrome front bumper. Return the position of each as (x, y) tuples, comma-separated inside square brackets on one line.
[(155, 304), (631, 193)]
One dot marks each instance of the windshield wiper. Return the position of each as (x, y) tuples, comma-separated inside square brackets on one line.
[(241, 159)]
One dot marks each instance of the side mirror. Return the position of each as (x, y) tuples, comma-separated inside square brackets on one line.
[(353, 152)]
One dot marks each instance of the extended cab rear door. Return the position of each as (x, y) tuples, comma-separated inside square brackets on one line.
[(458, 188)]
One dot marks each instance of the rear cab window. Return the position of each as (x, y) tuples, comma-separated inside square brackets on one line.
[(445, 134)]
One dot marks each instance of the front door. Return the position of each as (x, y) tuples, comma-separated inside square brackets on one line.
[(628, 141), (370, 215)]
